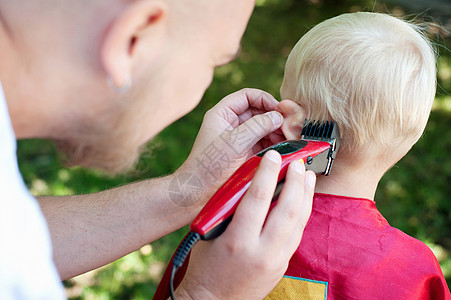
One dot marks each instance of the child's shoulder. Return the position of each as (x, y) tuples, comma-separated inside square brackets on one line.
[(409, 249), (354, 223), (411, 263), (350, 246)]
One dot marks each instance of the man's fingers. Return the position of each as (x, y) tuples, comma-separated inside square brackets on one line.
[(296, 237), (251, 112), (242, 100), (267, 141), (251, 213), (309, 191), (253, 130), (239, 107), (292, 210), (276, 137)]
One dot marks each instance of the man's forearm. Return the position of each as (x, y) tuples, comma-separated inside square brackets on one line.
[(89, 231)]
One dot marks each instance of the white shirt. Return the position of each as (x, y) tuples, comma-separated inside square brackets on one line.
[(27, 270)]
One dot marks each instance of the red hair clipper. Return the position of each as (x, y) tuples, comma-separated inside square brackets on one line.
[(317, 148)]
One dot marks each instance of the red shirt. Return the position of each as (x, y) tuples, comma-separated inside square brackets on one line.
[(349, 251)]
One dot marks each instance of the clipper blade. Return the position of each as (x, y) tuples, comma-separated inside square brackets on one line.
[(323, 131), (326, 131)]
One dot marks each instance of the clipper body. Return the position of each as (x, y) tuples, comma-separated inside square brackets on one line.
[(316, 149)]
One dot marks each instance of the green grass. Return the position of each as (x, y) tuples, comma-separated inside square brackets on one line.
[(413, 196)]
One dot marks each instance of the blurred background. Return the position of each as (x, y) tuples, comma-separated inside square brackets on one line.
[(413, 196)]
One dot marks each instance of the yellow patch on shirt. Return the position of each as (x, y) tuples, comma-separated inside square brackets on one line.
[(298, 288)]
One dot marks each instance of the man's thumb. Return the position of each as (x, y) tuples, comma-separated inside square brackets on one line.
[(276, 118), (266, 123)]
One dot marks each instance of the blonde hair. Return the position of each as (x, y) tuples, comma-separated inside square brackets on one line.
[(372, 73)]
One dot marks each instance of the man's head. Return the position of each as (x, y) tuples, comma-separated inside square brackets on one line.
[(372, 73), (57, 57)]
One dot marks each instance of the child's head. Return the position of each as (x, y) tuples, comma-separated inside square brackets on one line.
[(372, 73)]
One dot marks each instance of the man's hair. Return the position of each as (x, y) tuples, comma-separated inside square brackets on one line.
[(372, 73)]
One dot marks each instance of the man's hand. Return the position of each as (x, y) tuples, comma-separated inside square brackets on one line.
[(250, 257), (239, 126)]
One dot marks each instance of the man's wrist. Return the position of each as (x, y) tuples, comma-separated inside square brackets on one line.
[(182, 294), (193, 190), (190, 293)]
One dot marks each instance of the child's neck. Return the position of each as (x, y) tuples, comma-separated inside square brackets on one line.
[(358, 182)]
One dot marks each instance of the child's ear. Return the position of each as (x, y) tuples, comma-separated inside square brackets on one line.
[(294, 116)]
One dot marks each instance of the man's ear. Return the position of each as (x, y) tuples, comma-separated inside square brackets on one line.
[(294, 116), (136, 33)]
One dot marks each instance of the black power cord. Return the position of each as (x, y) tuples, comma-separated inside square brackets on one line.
[(180, 256)]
